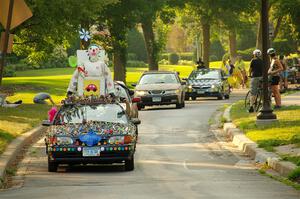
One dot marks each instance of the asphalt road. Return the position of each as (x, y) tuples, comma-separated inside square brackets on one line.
[(177, 157)]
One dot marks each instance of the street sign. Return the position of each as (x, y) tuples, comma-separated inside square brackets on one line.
[(10, 42), (21, 13)]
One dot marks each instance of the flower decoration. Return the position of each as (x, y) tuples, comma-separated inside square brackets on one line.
[(84, 35)]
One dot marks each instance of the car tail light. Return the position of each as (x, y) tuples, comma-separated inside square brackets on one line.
[(136, 100)]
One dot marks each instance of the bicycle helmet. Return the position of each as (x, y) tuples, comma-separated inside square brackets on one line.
[(271, 51), (257, 52)]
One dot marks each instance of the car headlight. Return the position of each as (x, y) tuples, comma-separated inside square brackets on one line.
[(127, 139), (177, 91), (64, 140), (213, 86), (140, 93), (190, 87)]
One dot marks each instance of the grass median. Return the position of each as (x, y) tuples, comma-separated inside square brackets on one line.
[(285, 131)]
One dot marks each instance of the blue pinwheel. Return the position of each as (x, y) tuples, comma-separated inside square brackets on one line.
[(84, 34), (90, 139)]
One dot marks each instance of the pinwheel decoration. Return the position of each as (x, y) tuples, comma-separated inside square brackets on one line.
[(84, 35)]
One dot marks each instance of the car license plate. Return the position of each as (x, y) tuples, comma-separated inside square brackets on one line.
[(200, 92), (156, 99), (91, 151)]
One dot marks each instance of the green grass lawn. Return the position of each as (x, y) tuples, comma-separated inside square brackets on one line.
[(286, 131)]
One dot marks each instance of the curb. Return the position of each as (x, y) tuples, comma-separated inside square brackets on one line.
[(250, 148), (15, 148)]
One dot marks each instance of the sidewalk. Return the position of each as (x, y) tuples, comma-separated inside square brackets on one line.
[(277, 144), (292, 99)]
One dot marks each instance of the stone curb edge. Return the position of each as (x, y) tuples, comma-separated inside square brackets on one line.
[(14, 148), (250, 148)]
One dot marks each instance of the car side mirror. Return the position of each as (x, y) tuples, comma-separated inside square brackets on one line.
[(46, 123), (136, 100), (134, 84), (135, 121), (131, 92)]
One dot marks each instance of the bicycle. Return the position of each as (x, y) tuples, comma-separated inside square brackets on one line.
[(257, 104)]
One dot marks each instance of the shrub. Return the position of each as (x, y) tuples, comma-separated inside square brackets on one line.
[(173, 58), (189, 56), (213, 58), (284, 46), (246, 54), (9, 71), (163, 62), (132, 56), (136, 64), (186, 62), (164, 56)]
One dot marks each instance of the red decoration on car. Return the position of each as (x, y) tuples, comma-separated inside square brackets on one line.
[(91, 87)]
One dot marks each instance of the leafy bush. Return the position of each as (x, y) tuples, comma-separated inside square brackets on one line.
[(163, 62), (246, 54), (284, 46), (173, 58), (189, 56), (132, 56), (9, 71), (57, 59), (213, 58), (186, 62), (136, 64), (164, 56), (136, 45), (216, 49)]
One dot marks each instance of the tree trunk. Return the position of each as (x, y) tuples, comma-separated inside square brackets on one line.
[(119, 63), (232, 45), (206, 42), (259, 36), (277, 27), (152, 53)]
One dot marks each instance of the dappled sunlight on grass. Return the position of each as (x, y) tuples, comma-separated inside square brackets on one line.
[(285, 131)]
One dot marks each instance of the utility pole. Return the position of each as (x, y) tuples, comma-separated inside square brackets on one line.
[(266, 114), (6, 38)]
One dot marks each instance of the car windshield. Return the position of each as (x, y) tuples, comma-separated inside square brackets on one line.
[(204, 74), (158, 79), (100, 113)]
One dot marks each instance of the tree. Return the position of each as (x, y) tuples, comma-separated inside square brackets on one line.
[(119, 18), (150, 10)]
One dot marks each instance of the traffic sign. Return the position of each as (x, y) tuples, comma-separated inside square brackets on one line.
[(21, 13)]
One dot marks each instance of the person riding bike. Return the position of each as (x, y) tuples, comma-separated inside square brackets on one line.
[(256, 73)]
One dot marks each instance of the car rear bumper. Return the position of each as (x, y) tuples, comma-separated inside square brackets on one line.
[(111, 155), (205, 94), (165, 100)]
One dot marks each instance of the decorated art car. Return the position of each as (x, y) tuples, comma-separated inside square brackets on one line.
[(207, 83), (91, 132)]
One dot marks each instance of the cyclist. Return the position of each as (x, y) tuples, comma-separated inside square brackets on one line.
[(256, 73), (274, 74)]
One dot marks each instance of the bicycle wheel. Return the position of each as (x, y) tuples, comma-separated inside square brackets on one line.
[(247, 100), (258, 101)]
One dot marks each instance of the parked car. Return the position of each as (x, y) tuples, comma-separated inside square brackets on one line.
[(160, 88), (207, 83), (91, 132), (125, 94)]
